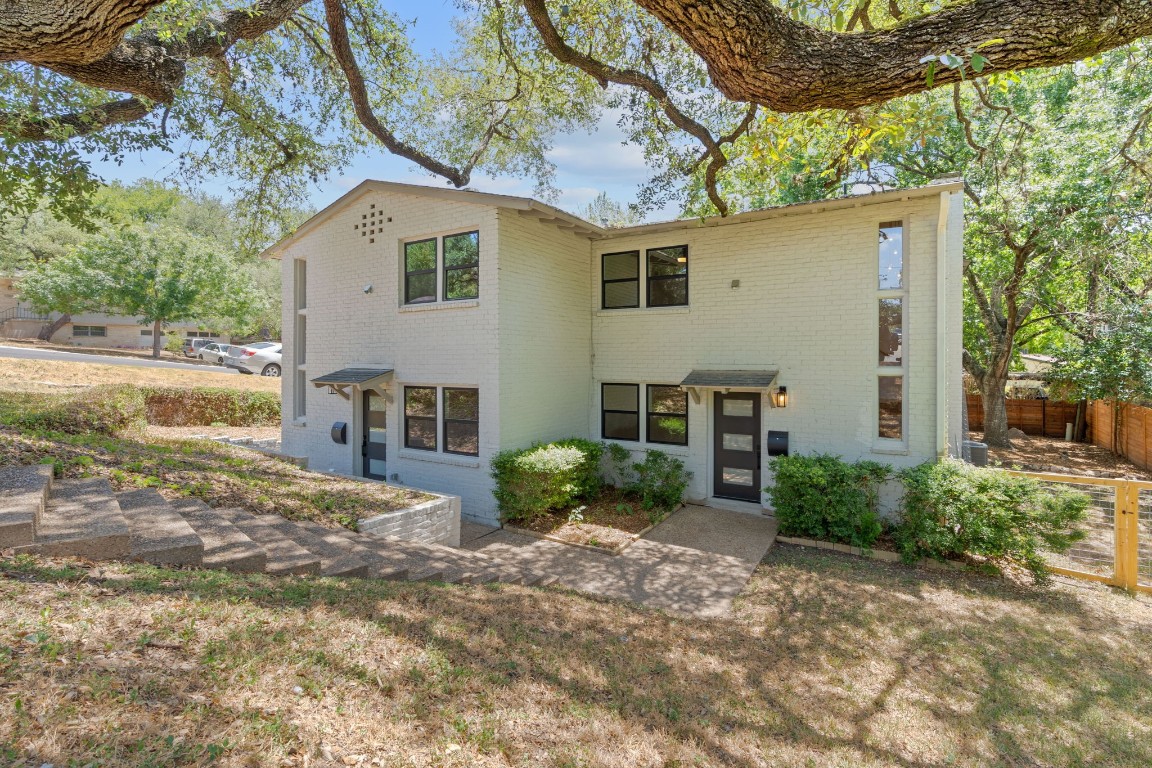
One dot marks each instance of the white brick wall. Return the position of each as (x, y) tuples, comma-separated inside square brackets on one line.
[(537, 344)]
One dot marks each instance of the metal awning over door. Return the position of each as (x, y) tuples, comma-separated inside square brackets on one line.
[(346, 378)]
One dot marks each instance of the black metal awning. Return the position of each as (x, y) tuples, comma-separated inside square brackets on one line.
[(730, 379), (361, 378)]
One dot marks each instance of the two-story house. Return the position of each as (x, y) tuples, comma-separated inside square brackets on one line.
[(427, 329)]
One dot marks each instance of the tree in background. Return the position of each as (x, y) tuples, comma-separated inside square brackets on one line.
[(161, 274), (606, 212), (1057, 167)]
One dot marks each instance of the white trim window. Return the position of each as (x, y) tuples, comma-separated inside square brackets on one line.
[(90, 330), (891, 331)]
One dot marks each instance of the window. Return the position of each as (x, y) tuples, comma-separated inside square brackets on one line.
[(420, 271), (667, 415), (891, 255), (668, 276), (201, 335), (621, 280), (299, 346), (462, 266), (145, 331), (891, 332), (420, 418), (892, 358), (89, 330), (891, 407), (462, 421), (620, 411)]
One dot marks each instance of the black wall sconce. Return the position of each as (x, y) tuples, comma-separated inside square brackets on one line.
[(780, 397)]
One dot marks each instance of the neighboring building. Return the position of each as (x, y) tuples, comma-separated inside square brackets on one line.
[(92, 329), (425, 330)]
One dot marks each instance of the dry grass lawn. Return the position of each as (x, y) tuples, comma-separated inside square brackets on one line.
[(47, 375), (829, 661)]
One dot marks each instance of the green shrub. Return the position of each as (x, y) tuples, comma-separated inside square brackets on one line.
[(660, 481), (823, 497), (532, 481), (205, 406), (111, 409), (952, 508)]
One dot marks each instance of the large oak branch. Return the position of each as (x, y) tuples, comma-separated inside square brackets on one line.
[(757, 53)]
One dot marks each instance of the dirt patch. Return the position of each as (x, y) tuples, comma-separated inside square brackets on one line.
[(184, 433), (1049, 454), (612, 521), (62, 375)]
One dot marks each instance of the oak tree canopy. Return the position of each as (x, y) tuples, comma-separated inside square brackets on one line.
[(274, 93)]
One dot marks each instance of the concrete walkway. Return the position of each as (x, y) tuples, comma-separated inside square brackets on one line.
[(693, 563)]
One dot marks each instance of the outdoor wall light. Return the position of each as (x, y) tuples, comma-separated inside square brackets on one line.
[(780, 396), (368, 288)]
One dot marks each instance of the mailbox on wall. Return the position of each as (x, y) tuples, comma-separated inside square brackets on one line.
[(340, 433), (777, 443)]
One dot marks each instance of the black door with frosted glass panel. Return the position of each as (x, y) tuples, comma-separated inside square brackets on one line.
[(736, 449), (375, 431)]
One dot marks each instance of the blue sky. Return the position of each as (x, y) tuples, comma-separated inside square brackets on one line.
[(586, 164)]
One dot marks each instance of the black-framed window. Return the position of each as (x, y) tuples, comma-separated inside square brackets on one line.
[(461, 266), (462, 421), (667, 414), (420, 418), (620, 411), (891, 407), (89, 330), (620, 280), (668, 276), (420, 271)]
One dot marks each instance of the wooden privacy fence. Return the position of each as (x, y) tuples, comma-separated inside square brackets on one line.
[(1032, 417), (1135, 443), (1118, 547)]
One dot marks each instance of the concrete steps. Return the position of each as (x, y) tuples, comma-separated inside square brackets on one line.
[(160, 535), (23, 493), (86, 518), (83, 519)]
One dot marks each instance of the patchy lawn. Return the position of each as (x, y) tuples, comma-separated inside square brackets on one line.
[(183, 433), (611, 521), (829, 661), (48, 375), (221, 475), (1049, 454)]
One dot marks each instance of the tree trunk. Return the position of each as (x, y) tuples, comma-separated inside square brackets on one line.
[(995, 410), (156, 339), (49, 330)]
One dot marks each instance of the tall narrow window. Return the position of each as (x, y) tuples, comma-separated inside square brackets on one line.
[(891, 407), (299, 349), (420, 271), (892, 358), (620, 411), (668, 276), (461, 266), (420, 418), (462, 421), (620, 275), (891, 332), (891, 255), (667, 415)]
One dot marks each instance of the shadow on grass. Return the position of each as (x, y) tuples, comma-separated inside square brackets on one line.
[(829, 661)]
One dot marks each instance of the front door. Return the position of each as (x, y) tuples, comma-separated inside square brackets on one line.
[(375, 432), (736, 450)]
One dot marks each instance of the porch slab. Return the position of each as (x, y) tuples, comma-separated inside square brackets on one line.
[(694, 563)]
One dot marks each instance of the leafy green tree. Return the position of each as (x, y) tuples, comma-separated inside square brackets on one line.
[(277, 93), (606, 212)]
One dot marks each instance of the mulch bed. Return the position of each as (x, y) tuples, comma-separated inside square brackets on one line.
[(611, 521), (1048, 454)]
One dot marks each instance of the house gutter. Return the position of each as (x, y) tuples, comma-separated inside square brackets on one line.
[(942, 351)]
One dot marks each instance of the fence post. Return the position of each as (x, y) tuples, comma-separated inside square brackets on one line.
[(1127, 533)]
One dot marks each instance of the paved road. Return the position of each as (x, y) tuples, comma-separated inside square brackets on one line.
[(35, 353)]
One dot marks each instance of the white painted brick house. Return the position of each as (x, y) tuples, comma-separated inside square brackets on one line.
[(427, 329)]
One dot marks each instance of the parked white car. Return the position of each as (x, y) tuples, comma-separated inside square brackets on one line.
[(262, 357), (214, 352)]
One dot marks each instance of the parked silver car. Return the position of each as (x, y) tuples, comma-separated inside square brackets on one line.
[(214, 352), (262, 357)]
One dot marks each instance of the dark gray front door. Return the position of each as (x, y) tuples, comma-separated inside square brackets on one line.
[(375, 432), (736, 450)]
